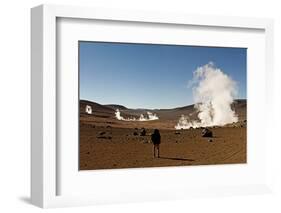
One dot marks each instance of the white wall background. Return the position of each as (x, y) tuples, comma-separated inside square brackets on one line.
[(15, 104)]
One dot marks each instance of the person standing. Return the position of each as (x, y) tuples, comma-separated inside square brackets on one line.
[(156, 140)]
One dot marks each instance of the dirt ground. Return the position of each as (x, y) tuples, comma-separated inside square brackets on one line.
[(106, 146)]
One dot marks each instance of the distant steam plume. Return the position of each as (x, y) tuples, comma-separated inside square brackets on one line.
[(148, 117), (88, 109), (213, 93), (118, 115)]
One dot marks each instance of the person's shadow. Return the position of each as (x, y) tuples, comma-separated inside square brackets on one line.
[(181, 159)]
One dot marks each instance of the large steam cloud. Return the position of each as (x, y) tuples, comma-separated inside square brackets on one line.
[(214, 92), (148, 117)]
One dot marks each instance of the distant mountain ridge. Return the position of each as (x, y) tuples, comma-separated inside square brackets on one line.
[(116, 106), (239, 106)]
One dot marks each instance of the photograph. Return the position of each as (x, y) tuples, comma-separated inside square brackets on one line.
[(159, 105)]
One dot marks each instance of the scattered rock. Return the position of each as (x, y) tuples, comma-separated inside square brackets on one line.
[(143, 132), (210, 140), (177, 133), (105, 137), (102, 133), (135, 133), (206, 133)]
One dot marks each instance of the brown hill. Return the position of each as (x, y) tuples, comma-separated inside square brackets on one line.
[(116, 106), (239, 106), (98, 110)]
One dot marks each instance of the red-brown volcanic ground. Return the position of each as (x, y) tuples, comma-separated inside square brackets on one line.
[(106, 143)]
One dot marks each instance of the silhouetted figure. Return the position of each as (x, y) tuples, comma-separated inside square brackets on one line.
[(156, 140)]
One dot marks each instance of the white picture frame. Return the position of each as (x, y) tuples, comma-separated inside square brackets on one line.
[(44, 149)]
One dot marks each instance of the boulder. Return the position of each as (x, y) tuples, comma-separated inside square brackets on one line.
[(104, 135), (206, 133)]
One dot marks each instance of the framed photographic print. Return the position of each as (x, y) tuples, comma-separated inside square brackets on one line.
[(135, 103), (130, 106)]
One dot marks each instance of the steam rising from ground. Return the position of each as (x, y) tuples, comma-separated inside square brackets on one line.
[(148, 117), (88, 109), (214, 92)]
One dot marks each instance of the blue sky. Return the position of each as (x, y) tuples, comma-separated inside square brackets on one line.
[(150, 75)]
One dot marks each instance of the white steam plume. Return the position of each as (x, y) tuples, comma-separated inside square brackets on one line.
[(118, 115), (150, 117), (214, 92), (88, 109), (185, 123)]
